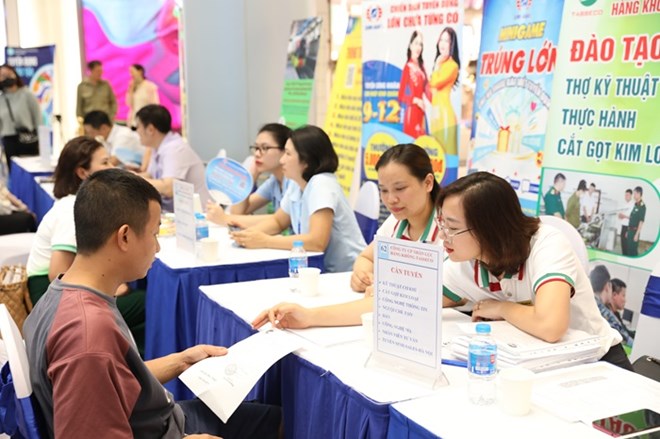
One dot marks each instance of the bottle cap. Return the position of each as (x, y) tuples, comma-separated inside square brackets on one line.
[(297, 243), (483, 328)]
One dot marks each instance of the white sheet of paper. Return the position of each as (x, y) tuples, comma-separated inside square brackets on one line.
[(594, 391), (407, 304), (331, 336), (223, 382)]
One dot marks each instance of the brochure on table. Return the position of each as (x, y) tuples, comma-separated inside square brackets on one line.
[(407, 317), (223, 382), (184, 214)]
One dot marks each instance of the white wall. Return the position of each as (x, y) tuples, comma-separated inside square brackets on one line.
[(235, 62)]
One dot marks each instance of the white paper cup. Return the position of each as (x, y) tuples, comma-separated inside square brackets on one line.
[(208, 249), (308, 280), (514, 390), (368, 327)]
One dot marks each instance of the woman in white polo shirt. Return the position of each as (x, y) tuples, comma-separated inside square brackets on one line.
[(408, 189), (315, 207), (54, 245), (509, 265)]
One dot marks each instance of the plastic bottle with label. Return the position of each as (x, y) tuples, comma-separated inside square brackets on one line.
[(297, 260), (482, 366)]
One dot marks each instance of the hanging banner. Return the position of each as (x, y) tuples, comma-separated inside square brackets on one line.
[(344, 117), (602, 150), (411, 89), (302, 52), (36, 68), (119, 34), (512, 96)]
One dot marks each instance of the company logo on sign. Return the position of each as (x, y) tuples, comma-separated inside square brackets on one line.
[(523, 4), (374, 14), (588, 2)]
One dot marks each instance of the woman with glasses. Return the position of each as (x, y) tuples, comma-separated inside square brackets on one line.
[(509, 265), (315, 207), (267, 152), (408, 189)]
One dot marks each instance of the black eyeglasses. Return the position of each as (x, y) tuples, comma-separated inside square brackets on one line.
[(262, 149)]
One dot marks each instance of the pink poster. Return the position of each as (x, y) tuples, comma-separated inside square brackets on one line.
[(120, 34)]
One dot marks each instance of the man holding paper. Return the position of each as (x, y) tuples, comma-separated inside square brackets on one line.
[(87, 375)]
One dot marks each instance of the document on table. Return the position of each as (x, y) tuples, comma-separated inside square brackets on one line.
[(223, 382), (594, 391), (331, 336)]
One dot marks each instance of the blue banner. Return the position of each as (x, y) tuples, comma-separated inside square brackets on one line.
[(512, 97), (36, 68)]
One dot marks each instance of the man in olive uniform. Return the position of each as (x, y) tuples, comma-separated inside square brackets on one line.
[(553, 203), (636, 222), (95, 93)]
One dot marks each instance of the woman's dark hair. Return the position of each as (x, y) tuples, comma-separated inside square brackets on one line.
[(617, 285), (493, 213), (415, 159), (280, 133), (77, 153), (420, 58), (453, 48), (140, 69), (582, 185), (19, 81), (315, 150)]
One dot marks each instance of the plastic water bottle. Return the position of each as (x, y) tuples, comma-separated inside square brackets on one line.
[(482, 366), (201, 226), (297, 260)]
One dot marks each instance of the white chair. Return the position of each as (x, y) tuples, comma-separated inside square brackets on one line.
[(20, 372), (367, 210), (15, 248), (573, 236)]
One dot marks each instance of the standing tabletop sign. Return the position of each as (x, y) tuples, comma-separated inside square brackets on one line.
[(228, 181), (184, 214), (407, 305)]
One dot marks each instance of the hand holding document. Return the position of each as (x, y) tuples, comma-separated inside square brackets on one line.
[(223, 382)]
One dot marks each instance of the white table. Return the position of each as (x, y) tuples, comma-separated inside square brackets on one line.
[(325, 384), (172, 289)]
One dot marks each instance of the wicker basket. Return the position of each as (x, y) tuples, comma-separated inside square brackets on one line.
[(14, 292)]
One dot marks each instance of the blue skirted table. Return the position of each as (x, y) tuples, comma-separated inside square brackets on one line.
[(23, 183), (315, 402), (173, 292)]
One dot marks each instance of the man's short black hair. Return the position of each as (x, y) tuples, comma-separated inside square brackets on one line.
[(96, 119), (639, 190), (559, 176), (155, 115), (92, 64), (599, 277), (107, 200)]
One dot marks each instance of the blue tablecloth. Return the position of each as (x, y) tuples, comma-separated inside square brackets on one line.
[(173, 296), (315, 403), (23, 185), (401, 426)]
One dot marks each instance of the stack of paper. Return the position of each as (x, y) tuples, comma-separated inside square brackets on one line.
[(517, 348)]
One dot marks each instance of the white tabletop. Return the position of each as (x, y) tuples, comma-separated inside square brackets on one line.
[(33, 164), (346, 358), (228, 254), (46, 186), (446, 411)]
